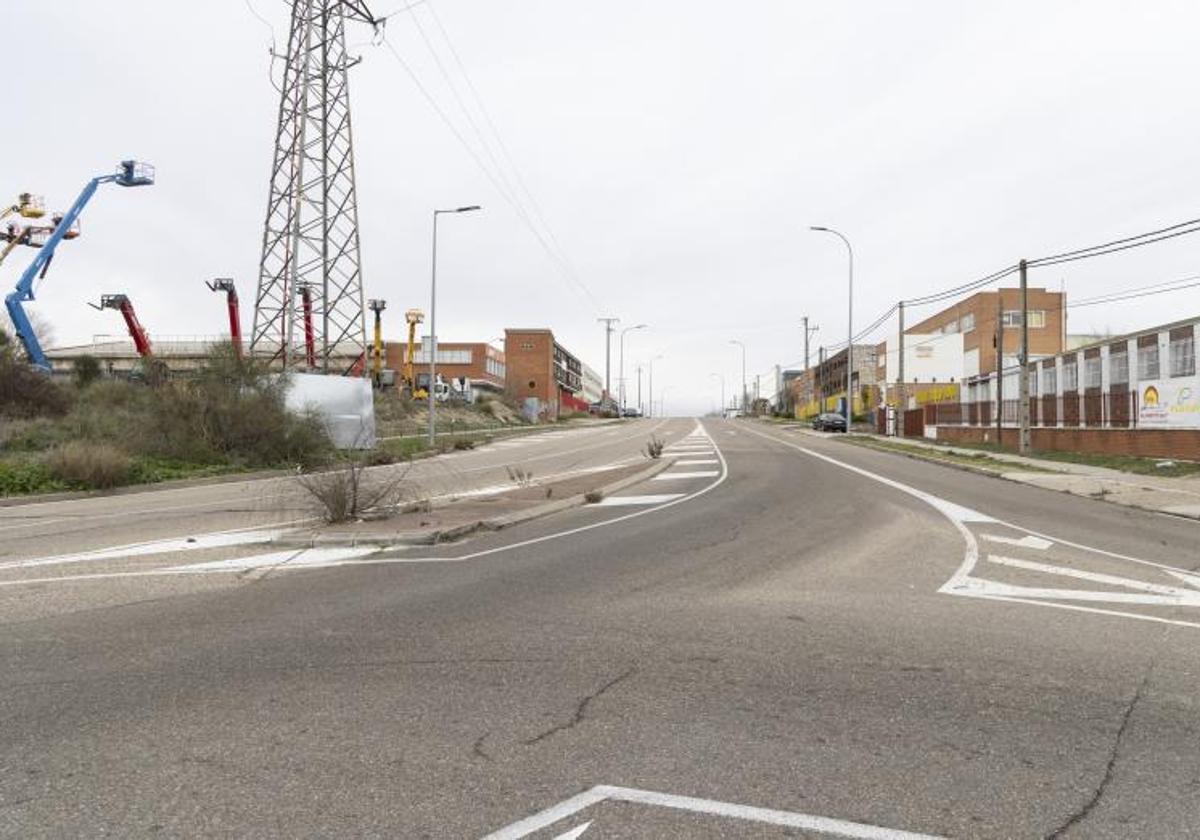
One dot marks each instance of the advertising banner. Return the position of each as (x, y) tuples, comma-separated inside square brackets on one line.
[(1169, 403)]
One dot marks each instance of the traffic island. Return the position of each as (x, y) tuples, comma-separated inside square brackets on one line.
[(425, 523)]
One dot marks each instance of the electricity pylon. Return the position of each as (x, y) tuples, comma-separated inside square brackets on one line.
[(311, 232)]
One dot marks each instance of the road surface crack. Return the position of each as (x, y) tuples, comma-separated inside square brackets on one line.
[(1110, 768), (581, 709)]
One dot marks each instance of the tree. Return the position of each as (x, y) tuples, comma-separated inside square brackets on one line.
[(86, 370)]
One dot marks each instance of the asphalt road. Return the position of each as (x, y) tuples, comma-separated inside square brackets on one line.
[(781, 636)]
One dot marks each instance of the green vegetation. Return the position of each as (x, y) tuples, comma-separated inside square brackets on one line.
[(97, 434)]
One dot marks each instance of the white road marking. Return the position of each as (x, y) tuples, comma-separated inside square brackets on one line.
[(616, 501), (220, 539), (669, 476), (370, 560), (696, 462), (1189, 579), (1024, 542), (293, 558), (1173, 594), (961, 582), (574, 833), (712, 807)]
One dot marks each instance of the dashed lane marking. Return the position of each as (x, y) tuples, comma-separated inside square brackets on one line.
[(1027, 541), (617, 501)]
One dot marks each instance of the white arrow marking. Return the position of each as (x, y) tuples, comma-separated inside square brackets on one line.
[(574, 833), (1023, 542), (1095, 577)]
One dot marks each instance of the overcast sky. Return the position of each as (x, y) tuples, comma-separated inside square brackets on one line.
[(678, 152)]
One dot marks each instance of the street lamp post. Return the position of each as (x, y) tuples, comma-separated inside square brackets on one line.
[(650, 384), (621, 364), (743, 346), (433, 319), (849, 322), (721, 376)]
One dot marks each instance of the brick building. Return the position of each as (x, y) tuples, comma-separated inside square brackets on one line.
[(975, 318), (825, 384), (542, 375), (478, 361)]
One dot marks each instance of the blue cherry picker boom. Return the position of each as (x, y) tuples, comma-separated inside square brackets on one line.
[(129, 174)]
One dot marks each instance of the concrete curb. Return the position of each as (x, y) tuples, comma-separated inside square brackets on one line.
[(457, 532)]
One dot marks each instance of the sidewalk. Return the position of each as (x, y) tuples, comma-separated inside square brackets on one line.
[(1176, 496)]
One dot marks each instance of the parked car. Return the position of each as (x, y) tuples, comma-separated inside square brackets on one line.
[(829, 422)]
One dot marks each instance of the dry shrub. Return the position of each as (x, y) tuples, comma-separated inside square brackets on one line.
[(349, 491), (654, 449), (92, 465), (25, 393), (593, 497)]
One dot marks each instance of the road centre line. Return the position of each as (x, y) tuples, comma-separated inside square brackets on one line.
[(712, 807)]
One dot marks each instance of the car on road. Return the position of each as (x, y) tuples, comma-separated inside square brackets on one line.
[(829, 422)]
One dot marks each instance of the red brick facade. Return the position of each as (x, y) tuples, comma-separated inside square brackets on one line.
[(1145, 443)]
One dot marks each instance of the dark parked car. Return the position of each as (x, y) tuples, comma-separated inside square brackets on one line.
[(829, 423)]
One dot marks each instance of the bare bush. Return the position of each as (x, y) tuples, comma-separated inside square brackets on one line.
[(520, 476), (92, 465), (350, 490), (654, 449), (593, 497)]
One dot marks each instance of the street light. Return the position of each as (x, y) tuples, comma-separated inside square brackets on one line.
[(433, 318), (651, 383), (721, 376), (849, 321), (743, 346), (621, 364)]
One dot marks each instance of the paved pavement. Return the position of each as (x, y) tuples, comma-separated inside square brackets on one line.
[(1179, 496), (789, 637)]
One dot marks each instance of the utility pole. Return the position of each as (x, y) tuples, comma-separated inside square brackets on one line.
[(999, 367), (901, 402), (641, 408), (1023, 441), (808, 331), (310, 238), (608, 331)]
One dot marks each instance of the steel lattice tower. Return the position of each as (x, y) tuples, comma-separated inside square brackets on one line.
[(310, 240)]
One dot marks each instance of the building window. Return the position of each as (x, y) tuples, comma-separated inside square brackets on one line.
[(1049, 381), (1091, 372), (951, 327), (1148, 357), (967, 323), (1118, 366), (1183, 352), (1070, 371), (1012, 318)]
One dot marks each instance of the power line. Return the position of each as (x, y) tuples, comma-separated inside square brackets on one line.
[(488, 173)]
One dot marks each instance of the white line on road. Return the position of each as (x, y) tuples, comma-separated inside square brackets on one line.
[(574, 833), (729, 810), (696, 462), (1024, 542), (616, 501), (1178, 596), (369, 560), (675, 475)]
